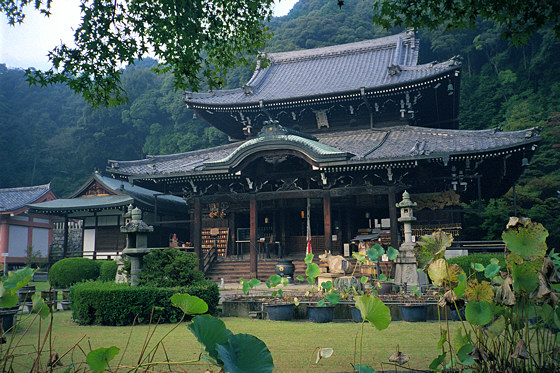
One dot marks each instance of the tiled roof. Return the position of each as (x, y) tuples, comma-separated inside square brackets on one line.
[(14, 198), (330, 70), (127, 194), (391, 144)]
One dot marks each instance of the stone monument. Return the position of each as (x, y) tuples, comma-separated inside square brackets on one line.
[(406, 272), (136, 241)]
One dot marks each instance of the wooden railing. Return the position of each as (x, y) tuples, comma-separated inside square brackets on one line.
[(209, 258), (478, 246)]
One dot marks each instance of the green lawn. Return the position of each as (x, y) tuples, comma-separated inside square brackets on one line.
[(292, 343)]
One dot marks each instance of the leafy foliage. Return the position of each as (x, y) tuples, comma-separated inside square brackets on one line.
[(108, 270), (191, 39), (69, 271), (169, 268), (519, 19)]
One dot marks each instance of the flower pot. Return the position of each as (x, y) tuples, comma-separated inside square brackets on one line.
[(356, 314), (25, 294), (414, 312), (285, 268), (8, 317), (320, 314), (385, 288), (280, 312)]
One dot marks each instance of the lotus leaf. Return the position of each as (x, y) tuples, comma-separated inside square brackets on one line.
[(364, 369), (479, 291), (333, 298), (399, 357), (526, 239), (18, 279), (392, 253), (520, 351), (478, 313), (39, 306), (312, 270), (491, 270), (431, 247), (543, 288), (99, 359), (210, 332), (460, 289), (374, 311), (504, 294), (435, 364), (309, 258), (497, 327), (464, 354), (189, 304), (324, 352), (7, 299), (441, 273), (245, 353), (525, 278)]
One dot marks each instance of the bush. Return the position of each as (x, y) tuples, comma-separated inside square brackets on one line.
[(169, 268), (69, 271), (109, 303), (484, 259), (108, 270)]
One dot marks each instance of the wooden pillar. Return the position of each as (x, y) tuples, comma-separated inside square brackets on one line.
[(65, 243), (283, 227), (4, 234), (197, 232), (253, 236), (393, 218), (327, 221)]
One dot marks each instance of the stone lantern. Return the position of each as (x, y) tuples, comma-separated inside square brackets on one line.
[(136, 241), (405, 265)]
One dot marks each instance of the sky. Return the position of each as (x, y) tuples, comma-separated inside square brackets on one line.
[(27, 45)]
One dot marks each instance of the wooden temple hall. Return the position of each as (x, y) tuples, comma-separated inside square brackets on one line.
[(330, 138)]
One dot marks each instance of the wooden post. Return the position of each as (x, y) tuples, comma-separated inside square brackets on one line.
[(197, 233), (65, 242), (327, 221), (393, 218), (283, 227), (253, 236)]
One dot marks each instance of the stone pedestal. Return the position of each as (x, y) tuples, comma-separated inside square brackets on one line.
[(136, 241), (406, 269)]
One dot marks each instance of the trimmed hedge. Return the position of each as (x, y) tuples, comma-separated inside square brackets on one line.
[(108, 270), (169, 268), (109, 303), (69, 271), (465, 263)]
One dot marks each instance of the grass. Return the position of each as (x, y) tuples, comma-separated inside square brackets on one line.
[(292, 343)]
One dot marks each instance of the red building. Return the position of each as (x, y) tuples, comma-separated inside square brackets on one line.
[(19, 229)]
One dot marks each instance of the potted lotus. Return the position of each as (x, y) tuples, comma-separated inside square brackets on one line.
[(326, 295), (381, 283), (279, 307)]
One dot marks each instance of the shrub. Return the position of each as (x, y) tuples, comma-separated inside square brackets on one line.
[(69, 271), (466, 261), (109, 303), (108, 270), (169, 268)]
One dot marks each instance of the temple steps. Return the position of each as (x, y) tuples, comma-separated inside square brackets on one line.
[(232, 270)]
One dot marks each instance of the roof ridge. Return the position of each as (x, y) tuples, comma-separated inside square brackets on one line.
[(386, 42), (25, 188)]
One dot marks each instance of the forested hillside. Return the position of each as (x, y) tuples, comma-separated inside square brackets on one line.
[(50, 135)]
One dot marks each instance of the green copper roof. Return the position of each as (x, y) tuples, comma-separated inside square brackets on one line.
[(277, 138), (81, 204)]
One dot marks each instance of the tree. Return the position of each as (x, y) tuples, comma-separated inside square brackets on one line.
[(519, 18), (190, 38)]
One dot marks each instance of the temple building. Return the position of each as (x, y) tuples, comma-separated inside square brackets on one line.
[(100, 203), (22, 230), (325, 140)]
